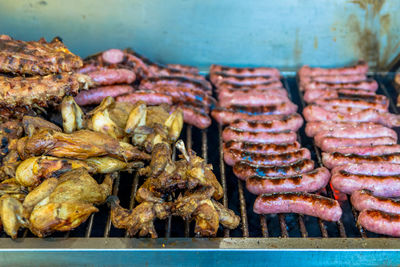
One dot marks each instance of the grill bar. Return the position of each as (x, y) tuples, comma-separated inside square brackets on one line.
[(115, 193), (135, 185), (222, 174), (189, 146), (264, 226)]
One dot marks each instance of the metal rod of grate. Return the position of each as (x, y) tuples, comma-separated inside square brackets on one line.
[(222, 174)]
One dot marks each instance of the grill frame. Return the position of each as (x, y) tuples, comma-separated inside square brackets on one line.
[(247, 240)]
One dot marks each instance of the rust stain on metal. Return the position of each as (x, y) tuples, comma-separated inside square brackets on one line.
[(297, 48)]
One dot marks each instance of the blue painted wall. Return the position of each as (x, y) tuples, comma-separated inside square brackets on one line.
[(284, 34)]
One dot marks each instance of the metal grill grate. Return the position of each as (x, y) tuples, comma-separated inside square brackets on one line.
[(208, 143)]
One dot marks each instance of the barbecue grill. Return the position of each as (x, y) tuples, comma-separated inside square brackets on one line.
[(276, 238)]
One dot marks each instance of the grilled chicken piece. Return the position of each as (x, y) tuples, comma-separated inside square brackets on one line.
[(81, 144), (72, 115), (69, 203), (33, 124), (10, 164), (19, 95), (32, 171), (140, 219), (226, 216), (9, 131), (11, 214), (36, 58)]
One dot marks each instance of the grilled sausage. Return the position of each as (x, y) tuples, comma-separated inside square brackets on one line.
[(314, 127), (317, 113), (353, 103), (364, 131), (244, 170), (333, 78), (380, 222), (376, 169), (365, 200), (259, 71), (292, 122), (230, 133), (306, 182), (96, 95), (183, 68), (231, 156), (331, 144), (226, 116), (251, 99), (113, 56), (368, 85), (259, 86), (298, 202), (195, 116), (218, 77), (285, 108), (245, 92), (150, 98), (151, 82), (261, 147), (311, 95), (368, 150), (360, 68), (385, 186), (183, 94), (334, 159), (112, 76)]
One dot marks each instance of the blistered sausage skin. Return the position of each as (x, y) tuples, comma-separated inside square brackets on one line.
[(334, 159), (249, 99), (380, 222), (112, 76), (360, 68), (150, 98), (331, 144), (385, 186), (298, 202), (317, 113), (261, 147), (240, 93), (244, 170), (354, 103), (257, 71), (312, 95), (96, 95), (231, 156), (307, 182), (368, 150), (226, 116), (368, 85), (293, 123), (314, 127), (365, 200), (218, 77), (183, 68), (230, 133)]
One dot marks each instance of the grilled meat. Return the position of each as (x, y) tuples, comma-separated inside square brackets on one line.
[(36, 58)]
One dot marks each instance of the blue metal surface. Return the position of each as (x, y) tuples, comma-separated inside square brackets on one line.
[(284, 34), (200, 258)]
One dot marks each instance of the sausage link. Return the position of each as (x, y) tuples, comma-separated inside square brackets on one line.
[(334, 159), (298, 202), (292, 122), (230, 133), (219, 77), (259, 71), (368, 150), (380, 222), (112, 76), (306, 182), (360, 68), (368, 85), (314, 127), (113, 56), (232, 156), (365, 200), (331, 144), (150, 98), (96, 95), (226, 116), (261, 147), (244, 170)]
